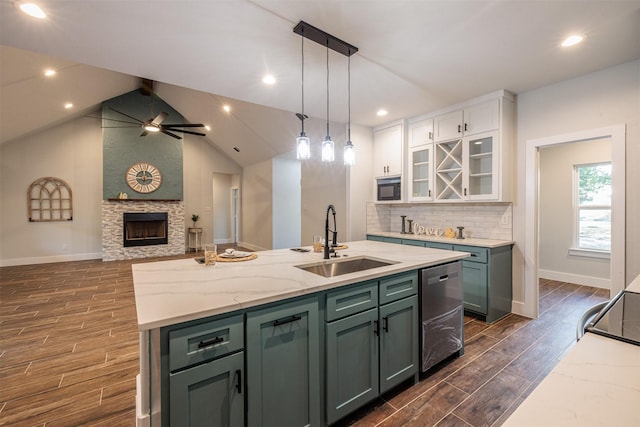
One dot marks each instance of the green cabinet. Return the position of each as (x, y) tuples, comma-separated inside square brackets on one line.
[(371, 341), (486, 281), (283, 367), (206, 373), (211, 394)]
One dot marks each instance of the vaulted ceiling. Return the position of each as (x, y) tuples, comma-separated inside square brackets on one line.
[(414, 57)]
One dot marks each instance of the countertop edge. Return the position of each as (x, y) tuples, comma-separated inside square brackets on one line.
[(484, 243)]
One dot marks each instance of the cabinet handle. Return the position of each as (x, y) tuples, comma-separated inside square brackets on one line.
[(216, 340), (429, 193), (459, 128), (430, 135), (376, 327), (474, 255), (444, 278), (465, 127), (465, 191), (290, 319), (239, 383), (385, 324)]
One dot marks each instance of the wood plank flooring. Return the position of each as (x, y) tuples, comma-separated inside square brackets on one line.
[(69, 353)]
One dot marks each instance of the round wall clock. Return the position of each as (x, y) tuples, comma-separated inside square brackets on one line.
[(144, 177)]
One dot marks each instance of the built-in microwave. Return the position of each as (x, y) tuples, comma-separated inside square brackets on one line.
[(389, 188)]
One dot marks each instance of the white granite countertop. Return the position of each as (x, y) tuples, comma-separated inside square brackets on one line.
[(169, 292), (596, 384), (470, 241)]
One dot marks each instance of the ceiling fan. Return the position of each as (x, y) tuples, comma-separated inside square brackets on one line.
[(155, 124)]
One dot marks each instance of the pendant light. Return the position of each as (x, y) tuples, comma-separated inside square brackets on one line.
[(349, 149), (328, 153), (303, 143)]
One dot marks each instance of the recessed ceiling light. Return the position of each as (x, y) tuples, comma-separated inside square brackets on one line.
[(49, 72), (68, 105), (268, 79), (31, 9), (382, 112), (207, 127), (226, 108), (572, 40)]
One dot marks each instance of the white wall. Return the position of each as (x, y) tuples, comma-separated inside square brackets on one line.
[(257, 206), (286, 201), (556, 214), (73, 152), (600, 99), (221, 208), (360, 183)]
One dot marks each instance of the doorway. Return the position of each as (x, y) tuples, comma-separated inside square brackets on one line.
[(235, 214), (616, 134)]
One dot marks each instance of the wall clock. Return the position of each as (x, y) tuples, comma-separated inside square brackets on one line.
[(144, 177)]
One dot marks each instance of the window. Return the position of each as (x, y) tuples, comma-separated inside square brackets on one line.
[(592, 201)]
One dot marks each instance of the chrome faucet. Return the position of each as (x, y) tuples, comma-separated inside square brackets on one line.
[(326, 233)]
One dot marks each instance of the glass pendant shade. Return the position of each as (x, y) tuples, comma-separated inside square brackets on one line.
[(303, 147), (349, 154), (328, 153)]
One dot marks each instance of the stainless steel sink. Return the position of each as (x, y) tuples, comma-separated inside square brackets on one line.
[(344, 266)]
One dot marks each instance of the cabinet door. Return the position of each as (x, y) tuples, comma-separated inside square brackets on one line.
[(474, 286), (448, 126), (420, 173), (387, 150), (283, 368), (398, 342), (482, 117), (421, 133), (211, 394), (352, 363), (481, 169)]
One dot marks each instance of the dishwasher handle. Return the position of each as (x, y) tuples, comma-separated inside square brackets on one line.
[(444, 278)]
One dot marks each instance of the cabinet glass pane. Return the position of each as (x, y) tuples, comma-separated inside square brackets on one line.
[(421, 188), (481, 166)]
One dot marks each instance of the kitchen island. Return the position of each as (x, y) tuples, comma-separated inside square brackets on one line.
[(170, 294)]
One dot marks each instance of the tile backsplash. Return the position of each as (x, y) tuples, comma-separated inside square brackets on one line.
[(480, 220)]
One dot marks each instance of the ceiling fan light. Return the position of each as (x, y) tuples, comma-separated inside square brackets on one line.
[(303, 147), (151, 128), (349, 154), (328, 153)]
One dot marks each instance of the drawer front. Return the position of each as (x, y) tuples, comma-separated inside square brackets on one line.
[(375, 238), (205, 341), (436, 245), (354, 299), (398, 287), (413, 242), (477, 254)]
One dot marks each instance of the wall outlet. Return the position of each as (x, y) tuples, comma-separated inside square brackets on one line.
[(505, 219)]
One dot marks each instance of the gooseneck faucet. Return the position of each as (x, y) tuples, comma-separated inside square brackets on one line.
[(327, 230)]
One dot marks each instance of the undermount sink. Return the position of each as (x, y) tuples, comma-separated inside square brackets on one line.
[(344, 266)]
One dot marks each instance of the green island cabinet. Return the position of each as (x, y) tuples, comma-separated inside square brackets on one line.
[(486, 275), (371, 341), (307, 361)]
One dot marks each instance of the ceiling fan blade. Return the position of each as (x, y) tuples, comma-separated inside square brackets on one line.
[(122, 121), (126, 115), (166, 132), (184, 131), (144, 133), (185, 125), (159, 118)]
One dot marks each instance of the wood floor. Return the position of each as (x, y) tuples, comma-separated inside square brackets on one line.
[(69, 353)]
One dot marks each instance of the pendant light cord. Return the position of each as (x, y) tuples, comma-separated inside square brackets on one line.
[(349, 90), (327, 88), (302, 118)]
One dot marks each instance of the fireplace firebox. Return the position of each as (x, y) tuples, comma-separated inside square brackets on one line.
[(145, 228)]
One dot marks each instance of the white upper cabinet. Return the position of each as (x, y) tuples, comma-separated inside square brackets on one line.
[(477, 118), (388, 142), (469, 157)]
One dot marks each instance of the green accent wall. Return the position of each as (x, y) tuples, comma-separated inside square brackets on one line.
[(123, 146)]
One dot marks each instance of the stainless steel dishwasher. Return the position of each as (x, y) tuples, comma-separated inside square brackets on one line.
[(441, 313)]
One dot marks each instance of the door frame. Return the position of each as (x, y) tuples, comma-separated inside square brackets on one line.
[(616, 133)]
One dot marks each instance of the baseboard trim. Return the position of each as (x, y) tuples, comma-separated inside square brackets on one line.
[(250, 246), (595, 282), (49, 259)]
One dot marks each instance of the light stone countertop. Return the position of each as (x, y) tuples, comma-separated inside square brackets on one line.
[(596, 384), (470, 241), (170, 292)]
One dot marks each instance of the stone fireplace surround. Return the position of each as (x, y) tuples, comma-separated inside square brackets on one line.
[(112, 230)]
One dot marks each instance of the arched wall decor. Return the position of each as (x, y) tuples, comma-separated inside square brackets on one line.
[(49, 199)]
